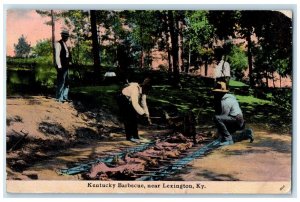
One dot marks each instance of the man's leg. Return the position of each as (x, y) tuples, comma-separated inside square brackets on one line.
[(129, 117), (133, 122), (66, 85), (225, 124), (60, 85)]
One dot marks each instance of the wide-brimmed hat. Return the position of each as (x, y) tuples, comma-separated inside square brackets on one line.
[(221, 87), (65, 33)]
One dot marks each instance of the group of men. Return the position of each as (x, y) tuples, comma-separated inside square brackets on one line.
[(132, 100)]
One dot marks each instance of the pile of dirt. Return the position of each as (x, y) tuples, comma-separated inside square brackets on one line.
[(37, 127)]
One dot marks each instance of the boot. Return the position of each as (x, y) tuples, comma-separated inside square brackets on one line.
[(249, 134), (246, 134)]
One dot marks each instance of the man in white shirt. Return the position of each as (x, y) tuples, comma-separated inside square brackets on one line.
[(132, 101), (63, 60), (222, 71)]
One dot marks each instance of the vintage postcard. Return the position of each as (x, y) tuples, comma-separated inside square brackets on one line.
[(149, 101)]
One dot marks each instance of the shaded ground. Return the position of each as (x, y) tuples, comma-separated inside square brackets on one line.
[(59, 135)]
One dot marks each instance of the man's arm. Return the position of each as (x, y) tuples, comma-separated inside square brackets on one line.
[(57, 55)]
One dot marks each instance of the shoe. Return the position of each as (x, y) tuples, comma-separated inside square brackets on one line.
[(249, 134), (228, 142), (134, 140), (144, 140), (60, 101)]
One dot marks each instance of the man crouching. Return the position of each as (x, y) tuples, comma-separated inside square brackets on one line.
[(229, 116)]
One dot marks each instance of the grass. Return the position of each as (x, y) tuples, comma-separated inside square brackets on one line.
[(251, 100), (96, 89), (97, 96), (234, 83)]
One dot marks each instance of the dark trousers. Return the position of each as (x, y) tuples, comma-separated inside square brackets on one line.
[(62, 84), (227, 125), (129, 117)]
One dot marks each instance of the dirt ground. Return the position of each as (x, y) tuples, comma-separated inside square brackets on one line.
[(85, 135)]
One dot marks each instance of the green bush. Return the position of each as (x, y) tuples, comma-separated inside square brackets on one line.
[(238, 61)]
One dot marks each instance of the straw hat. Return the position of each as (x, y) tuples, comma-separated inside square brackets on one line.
[(221, 87)]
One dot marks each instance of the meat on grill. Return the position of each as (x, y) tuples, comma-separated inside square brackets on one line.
[(132, 163)]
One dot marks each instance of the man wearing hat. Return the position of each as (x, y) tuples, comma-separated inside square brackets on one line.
[(132, 102), (63, 61), (230, 117)]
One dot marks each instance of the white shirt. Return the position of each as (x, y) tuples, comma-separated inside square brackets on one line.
[(221, 70), (133, 92), (230, 105), (57, 53)]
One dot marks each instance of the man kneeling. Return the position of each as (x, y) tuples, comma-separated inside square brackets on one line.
[(229, 116)]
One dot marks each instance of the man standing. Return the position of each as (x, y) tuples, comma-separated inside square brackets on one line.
[(222, 71), (63, 61), (230, 118)]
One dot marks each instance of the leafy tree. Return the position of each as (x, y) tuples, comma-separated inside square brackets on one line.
[(238, 60), (275, 39), (43, 48), (145, 28), (272, 28), (172, 22), (22, 48), (224, 22), (54, 17), (95, 42), (199, 33)]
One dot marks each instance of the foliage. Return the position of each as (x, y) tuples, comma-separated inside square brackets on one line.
[(28, 62), (238, 61), (43, 48), (237, 58), (273, 30), (22, 48), (283, 99), (224, 23), (199, 31), (82, 53)]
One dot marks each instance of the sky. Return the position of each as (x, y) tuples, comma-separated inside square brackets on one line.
[(27, 23)]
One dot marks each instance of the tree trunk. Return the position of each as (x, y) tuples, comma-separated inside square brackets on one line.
[(189, 59), (273, 79), (53, 36), (250, 63), (142, 60), (168, 42), (206, 66), (280, 81), (95, 43), (180, 45), (174, 41), (267, 79)]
